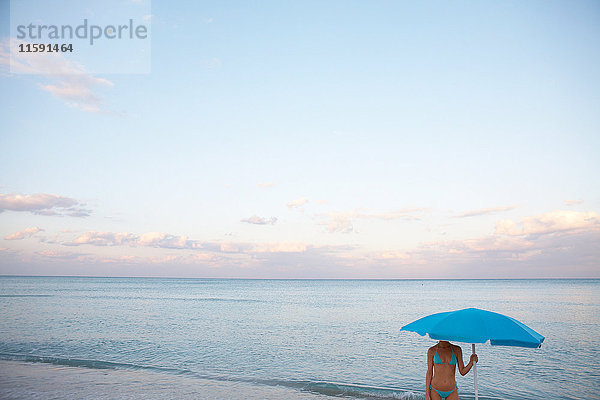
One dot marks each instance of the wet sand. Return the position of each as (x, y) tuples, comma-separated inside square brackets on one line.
[(23, 380)]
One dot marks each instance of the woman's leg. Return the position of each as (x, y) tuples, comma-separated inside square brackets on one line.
[(453, 395)]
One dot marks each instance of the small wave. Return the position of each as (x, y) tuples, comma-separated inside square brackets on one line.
[(225, 299), (352, 390), (319, 387), (333, 389), (358, 391), (25, 295), (78, 362), (190, 299)]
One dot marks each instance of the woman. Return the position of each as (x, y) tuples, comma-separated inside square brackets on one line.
[(441, 365)]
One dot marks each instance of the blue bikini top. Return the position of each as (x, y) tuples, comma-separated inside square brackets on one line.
[(438, 360)]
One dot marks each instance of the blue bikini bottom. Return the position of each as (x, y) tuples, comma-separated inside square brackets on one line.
[(443, 394)]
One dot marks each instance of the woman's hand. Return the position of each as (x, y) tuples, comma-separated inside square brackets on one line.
[(474, 358), (427, 396)]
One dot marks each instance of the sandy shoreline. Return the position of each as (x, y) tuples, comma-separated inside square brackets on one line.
[(24, 380)]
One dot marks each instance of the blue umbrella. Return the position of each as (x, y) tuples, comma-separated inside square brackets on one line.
[(473, 325)]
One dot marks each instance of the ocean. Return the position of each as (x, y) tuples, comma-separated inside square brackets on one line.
[(113, 338)]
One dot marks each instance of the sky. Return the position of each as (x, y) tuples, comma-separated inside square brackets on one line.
[(312, 139)]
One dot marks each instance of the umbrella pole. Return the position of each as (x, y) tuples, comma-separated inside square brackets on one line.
[(475, 373)]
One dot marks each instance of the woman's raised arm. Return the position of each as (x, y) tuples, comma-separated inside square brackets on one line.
[(461, 365)]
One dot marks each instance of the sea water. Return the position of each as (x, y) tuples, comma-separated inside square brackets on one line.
[(67, 337)]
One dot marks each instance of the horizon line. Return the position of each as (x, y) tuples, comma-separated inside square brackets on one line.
[(296, 279)]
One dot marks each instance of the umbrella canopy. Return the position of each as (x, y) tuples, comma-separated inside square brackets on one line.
[(473, 325)]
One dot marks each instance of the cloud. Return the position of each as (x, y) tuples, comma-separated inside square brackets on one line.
[(230, 247), (566, 253), (554, 244), (407, 214), (285, 247), (77, 92), (150, 239), (266, 185), (285, 259), (297, 203), (340, 221), (486, 211), (103, 239), (203, 257), (25, 233), (61, 255), (165, 240), (298, 260), (7, 250), (486, 244), (255, 219), (572, 252), (43, 204), (168, 241), (392, 255), (548, 223), (336, 221), (573, 202), (69, 81)]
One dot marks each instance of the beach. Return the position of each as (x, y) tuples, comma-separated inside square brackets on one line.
[(293, 339), (22, 380)]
